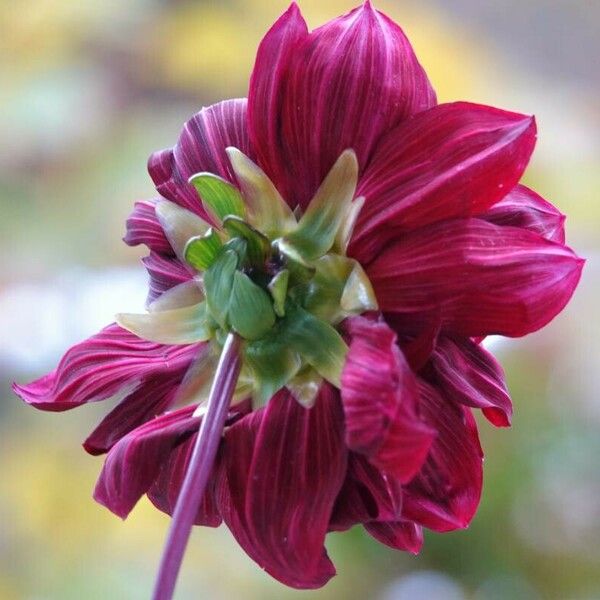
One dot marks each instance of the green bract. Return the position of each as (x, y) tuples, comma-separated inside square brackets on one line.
[(281, 284)]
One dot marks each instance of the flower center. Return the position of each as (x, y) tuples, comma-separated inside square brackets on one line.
[(280, 283)]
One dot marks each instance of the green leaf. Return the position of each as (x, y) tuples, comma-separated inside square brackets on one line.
[(259, 247), (219, 197), (218, 285), (316, 341), (185, 325), (201, 251), (319, 225), (305, 385), (278, 287), (267, 210), (179, 225), (272, 364), (251, 313)]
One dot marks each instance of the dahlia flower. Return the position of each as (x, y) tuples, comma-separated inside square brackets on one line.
[(325, 258)]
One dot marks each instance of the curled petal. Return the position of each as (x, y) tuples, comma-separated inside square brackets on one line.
[(109, 362), (143, 227), (475, 278), (454, 160), (201, 147), (367, 495), (524, 208), (165, 273), (283, 468), (342, 86), (445, 493), (400, 535), (379, 395), (470, 375)]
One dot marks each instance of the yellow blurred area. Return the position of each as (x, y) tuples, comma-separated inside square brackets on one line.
[(89, 89)]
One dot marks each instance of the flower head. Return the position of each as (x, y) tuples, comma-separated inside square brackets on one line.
[(360, 240)]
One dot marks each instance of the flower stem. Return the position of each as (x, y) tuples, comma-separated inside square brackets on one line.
[(199, 468)]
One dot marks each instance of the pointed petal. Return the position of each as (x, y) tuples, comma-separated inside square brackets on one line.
[(446, 492), (102, 366), (143, 227), (284, 467), (134, 462), (165, 273), (185, 325), (524, 208), (400, 535), (454, 160), (470, 375), (201, 147), (367, 495), (265, 94), (476, 278), (379, 395), (346, 84), (144, 404)]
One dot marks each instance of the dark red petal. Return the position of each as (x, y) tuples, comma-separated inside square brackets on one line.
[(524, 208), (366, 495), (143, 228), (454, 160), (476, 278), (152, 398), (133, 464), (284, 467), (470, 375), (165, 272), (379, 395), (445, 494), (201, 147), (265, 95), (400, 535), (109, 362), (340, 87)]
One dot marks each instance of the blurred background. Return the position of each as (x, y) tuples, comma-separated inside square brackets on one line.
[(88, 89)]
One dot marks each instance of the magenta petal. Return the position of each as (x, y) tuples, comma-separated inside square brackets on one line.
[(284, 466), (470, 375), (454, 160), (109, 362), (201, 147), (476, 278), (524, 208), (149, 400), (400, 535), (165, 272), (366, 495), (379, 395), (143, 228), (134, 462), (340, 87), (265, 95), (446, 492)]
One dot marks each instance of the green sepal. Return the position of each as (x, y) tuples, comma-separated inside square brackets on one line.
[(251, 313), (218, 285), (305, 386), (259, 247), (267, 210), (273, 364), (201, 251), (358, 295), (326, 213), (278, 287), (317, 342), (219, 197)]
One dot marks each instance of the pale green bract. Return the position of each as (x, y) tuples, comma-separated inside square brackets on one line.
[(281, 284)]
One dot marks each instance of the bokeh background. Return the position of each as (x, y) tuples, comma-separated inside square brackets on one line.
[(87, 90)]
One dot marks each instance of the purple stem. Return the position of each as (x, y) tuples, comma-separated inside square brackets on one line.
[(199, 468)]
